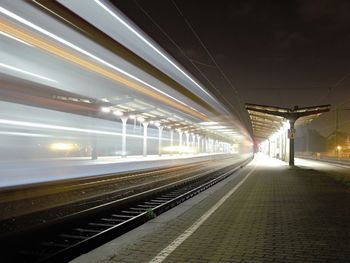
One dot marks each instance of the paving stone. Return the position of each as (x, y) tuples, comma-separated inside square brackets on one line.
[(279, 214)]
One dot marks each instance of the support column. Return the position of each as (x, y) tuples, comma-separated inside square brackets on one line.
[(160, 129), (187, 139), (180, 140), (171, 138), (145, 125), (291, 142), (198, 144), (124, 120)]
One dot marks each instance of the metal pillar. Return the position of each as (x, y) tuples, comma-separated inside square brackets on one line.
[(124, 120), (198, 144), (160, 129), (180, 140), (291, 142), (145, 124), (171, 138)]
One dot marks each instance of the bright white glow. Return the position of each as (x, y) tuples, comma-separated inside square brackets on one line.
[(65, 128), (25, 72), (157, 124), (105, 100), (132, 117), (15, 38), (118, 113), (105, 109), (141, 119), (67, 43), (208, 123), (152, 46), (60, 146)]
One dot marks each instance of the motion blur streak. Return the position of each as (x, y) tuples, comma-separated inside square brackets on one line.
[(65, 128), (150, 45), (14, 38), (22, 35), (25, 72)]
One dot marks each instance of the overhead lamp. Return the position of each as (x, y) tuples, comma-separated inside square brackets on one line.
[(118, 113), (105, 109)]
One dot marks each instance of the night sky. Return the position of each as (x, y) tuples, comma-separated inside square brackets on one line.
[(281, 53)]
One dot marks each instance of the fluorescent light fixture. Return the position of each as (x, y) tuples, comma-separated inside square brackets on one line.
[(118, 113), (15, 38), (105, 109), (25, 72)]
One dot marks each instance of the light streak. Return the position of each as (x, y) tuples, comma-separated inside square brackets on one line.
[(66, 128), (25, 72), (25, 134), (62, 53), (15, 38), (152, 46)]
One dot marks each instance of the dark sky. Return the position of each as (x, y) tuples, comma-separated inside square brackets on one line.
[(281, 53)]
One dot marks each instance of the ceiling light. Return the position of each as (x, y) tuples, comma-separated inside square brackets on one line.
[(105, 109), (118, 113)]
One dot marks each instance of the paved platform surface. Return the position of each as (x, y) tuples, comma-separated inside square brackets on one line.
[(278, 214)]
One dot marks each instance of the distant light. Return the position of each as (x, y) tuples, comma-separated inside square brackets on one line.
[(339, 147), (132, 117), (15, 38), (59, 146), (25, 72), (105, 100), (105, 109), (157, 124), (118, 113)]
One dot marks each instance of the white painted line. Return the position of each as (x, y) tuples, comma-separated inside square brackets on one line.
[(189, 231)]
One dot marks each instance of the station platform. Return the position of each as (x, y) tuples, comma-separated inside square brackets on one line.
[(265, 212)]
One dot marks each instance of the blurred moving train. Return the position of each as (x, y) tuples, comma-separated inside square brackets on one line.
[(64, 95)]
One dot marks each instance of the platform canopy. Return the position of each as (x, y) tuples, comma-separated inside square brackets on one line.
[(266, 120)]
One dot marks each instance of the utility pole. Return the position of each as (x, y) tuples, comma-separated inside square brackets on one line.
[(292, 115)]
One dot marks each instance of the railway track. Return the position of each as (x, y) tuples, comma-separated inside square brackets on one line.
[(73, 235)]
